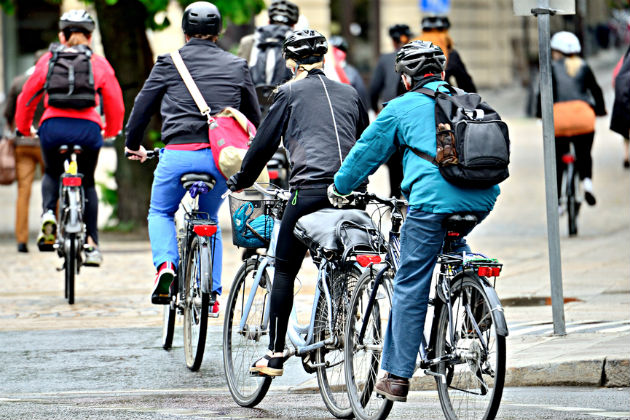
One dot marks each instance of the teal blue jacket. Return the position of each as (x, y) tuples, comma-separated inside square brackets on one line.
[(410, 120)]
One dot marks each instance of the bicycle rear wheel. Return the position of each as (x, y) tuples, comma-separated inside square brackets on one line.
[(195, 305), (573, 205), (476, 372), (242, 335), (330, 358), (70, 265), (363, 359), (168, 321)]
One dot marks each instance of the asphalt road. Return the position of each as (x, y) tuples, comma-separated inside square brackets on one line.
[(124, 374)]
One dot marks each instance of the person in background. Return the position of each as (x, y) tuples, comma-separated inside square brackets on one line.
[(74, 125), (224, 81), (28, 156), (620, 117), (435, 30), (340, 51), (385, 86), (577, 100)]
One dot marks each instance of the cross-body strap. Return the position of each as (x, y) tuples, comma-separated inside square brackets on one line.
[(191, 85), (423, 155)]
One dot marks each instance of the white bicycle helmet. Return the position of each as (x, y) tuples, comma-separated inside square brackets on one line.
[(565, 42)]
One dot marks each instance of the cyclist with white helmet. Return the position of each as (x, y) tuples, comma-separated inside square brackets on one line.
[(409, 121), (319, 121), (577, 100)]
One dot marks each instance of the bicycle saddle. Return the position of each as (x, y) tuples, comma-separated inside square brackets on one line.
[(64, 148), (189, 179), (455, 224)]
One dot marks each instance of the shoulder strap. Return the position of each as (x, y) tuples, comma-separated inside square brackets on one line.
[(423, 155), (191, 85)]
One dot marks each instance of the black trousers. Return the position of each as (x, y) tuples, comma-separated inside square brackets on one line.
[(394, 164), (289, 256), (583, 160)]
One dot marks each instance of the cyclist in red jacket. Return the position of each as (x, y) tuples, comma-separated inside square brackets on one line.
[(72, 120)]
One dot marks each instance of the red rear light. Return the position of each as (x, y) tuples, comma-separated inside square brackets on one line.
[(205, 230), (489, 271), (71, 181), (366, 260), (274, 175), (568, 158)]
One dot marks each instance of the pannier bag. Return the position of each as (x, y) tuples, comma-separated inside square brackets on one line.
[(472, 144), (70, 78), (339, 231), (229, 131)]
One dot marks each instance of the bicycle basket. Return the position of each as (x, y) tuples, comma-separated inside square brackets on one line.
[(252, 223)]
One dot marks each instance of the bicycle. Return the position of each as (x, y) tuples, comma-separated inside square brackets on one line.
[(320, 342), (190, 292), (71, 229), (465, 350), (569, 197)]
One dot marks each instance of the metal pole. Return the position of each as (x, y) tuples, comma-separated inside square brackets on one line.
[(555, 263)]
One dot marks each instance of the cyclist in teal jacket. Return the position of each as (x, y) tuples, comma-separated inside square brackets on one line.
[(410, 120)]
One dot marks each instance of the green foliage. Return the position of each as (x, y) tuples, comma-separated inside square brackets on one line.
[(237, 11)]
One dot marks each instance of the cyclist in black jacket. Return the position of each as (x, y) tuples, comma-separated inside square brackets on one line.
[(319, 120)]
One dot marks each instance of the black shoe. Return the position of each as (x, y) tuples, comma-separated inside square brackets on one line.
[(626, 164), (590, 198), (22, 248)]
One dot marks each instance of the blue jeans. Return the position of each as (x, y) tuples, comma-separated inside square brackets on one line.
[(420, 243), (166, 194)]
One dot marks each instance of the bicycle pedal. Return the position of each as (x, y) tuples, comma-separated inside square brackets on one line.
[(213, 314)]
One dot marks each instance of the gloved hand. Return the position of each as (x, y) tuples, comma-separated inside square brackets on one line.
[(232, 183), (336, 198)]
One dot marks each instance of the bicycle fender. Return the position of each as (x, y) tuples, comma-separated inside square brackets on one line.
[(73, 225), (205, 266), (495, 304)]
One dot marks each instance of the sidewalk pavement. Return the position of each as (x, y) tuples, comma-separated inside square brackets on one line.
[(595, 266)]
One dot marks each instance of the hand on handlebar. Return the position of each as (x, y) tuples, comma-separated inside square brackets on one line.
[(232, 183), (336, 198), (140, 154)]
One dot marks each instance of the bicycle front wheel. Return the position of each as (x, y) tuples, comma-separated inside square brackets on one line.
[(243, 333), (363, 357), (330, 358), (475, 372), (70, 265), (195, 305)]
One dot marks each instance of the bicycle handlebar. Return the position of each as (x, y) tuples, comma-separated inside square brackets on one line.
[(151, 154), (391, 202)]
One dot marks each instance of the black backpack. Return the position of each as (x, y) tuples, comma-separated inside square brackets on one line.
[(70, 78), (473, 144), (268, 45)]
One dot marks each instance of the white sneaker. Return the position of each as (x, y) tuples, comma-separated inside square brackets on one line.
[(93, 257), (587, 185)]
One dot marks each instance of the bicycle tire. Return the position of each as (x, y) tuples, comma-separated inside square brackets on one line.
[(196, 305), (362, 364), (331, 376), (463, 395), (70, 265), (572, 202), (168, 321), (240, 348)]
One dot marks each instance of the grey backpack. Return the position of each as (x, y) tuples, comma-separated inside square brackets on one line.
[(473, 144)]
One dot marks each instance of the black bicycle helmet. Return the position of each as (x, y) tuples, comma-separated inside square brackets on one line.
[(201, 18), (398, 31), (435, 22), (305, 46), (284, 12), (420, 57), (338, 42), (77, 20)]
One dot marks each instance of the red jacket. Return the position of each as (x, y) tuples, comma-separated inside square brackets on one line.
[(104, 81)]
